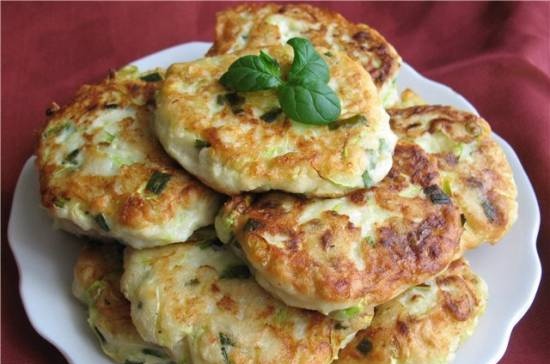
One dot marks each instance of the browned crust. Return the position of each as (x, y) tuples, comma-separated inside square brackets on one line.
[(316, 154), (396, 333), (116, 196), (486, 178), (376, 55), (236, 305), (407, 250)]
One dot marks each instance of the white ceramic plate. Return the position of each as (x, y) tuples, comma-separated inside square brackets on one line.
[(45, 257)]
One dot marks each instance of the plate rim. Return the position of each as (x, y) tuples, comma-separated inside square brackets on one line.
[(512, 321)]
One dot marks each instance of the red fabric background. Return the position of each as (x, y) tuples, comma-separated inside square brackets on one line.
[(497, 55)]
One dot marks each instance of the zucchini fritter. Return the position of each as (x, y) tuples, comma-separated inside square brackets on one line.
[(225, 139), (258, 25), (425, 324), (473, 168), (342, 255), (199, 301), (104, 174)]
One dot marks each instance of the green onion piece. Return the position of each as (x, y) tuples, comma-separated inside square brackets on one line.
[(100, 335), (272, 115), (128, 361), (192, 282), (151, 77), (436, 195), (199, 144), (367, 180), (446, 186), (56, 130), (235, 272), (225, 341), (157, 182), (458, 149), (369, 240), (383, 145), (71, 157), (281, 316), (364, 346), (95, 289), (101, 222), (251, 225), (352, 311), (109, 137), (153, 352), (60, 202), (489, 210), (345, 314), (235, 101)]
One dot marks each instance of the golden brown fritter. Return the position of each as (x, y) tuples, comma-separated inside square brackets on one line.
[(97, 284), (103, 173), (473, 168), (199, 301), (222, 139), (425, 324), (342, 255), (257, 25)]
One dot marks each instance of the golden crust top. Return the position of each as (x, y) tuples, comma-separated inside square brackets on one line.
[(255, 25), (361, 249), (97, 156), (473, 167), (423, 325), (240, 151), (197, 300)]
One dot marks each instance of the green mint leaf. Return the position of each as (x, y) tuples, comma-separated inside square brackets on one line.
[(253, 73), (270, 63), (307, 64), (309, 103)]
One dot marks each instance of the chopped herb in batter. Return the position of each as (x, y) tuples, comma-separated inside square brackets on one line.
[(157, 182)]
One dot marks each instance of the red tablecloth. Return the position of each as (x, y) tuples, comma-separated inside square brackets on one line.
[(496, 55)]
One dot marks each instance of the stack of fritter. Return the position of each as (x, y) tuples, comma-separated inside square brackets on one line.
[(335, 243)]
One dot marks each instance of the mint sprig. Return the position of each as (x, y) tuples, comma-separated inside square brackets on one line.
[(305, 97)]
